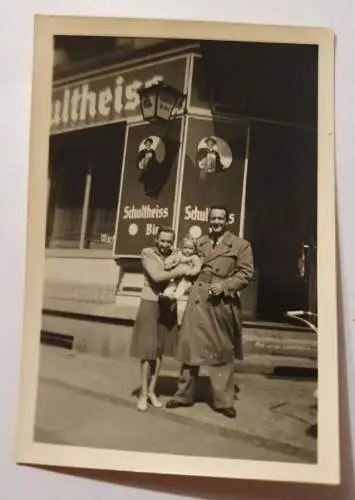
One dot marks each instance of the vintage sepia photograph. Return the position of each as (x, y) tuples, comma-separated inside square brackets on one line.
[(180, 308)]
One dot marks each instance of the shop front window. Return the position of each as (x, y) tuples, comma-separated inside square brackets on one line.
[(66, 202), (83, 187), (105, 178)]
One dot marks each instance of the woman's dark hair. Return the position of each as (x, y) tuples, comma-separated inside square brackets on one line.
[(219, 207)]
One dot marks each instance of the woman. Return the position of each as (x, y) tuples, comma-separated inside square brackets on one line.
[(155, 329)]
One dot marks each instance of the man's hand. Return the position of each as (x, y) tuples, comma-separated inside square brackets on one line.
[(216, 289)]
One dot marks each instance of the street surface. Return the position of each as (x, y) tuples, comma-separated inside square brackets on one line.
[(89, 401)]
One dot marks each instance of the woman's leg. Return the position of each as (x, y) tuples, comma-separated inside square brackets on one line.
[(155, 370), (145, 373)]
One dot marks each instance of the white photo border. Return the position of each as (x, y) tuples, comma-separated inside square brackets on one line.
[(327, 468)]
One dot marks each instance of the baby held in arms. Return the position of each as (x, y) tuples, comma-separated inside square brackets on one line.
[(185, 256)]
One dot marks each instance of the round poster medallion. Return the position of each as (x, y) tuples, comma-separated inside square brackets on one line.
[(133, 229), (195, 231), (212, 151), (156, 144)]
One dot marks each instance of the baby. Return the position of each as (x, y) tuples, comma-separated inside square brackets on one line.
[(186, 256)]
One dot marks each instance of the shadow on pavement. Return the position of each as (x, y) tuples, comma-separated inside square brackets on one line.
[(166, 386)]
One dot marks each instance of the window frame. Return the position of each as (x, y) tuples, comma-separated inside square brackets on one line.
[(81, 251)]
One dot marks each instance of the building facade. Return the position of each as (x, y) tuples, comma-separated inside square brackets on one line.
[(103, 208)]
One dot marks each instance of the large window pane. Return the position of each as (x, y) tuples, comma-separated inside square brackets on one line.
[(84, 177), (106, 172), (67, 187)]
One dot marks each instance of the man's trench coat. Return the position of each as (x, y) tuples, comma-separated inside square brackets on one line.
[(211, 331)]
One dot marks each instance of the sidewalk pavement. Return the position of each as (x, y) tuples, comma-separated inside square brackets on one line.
[(273, 414)]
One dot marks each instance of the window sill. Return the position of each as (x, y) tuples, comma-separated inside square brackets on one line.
[(76, 253)]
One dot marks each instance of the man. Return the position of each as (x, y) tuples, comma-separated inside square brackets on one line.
[(211, 329)]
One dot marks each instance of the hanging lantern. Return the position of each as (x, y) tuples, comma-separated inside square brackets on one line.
[(158, 102)]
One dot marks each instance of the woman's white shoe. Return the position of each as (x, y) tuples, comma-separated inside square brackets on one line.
[(142, 404), (155, 401)]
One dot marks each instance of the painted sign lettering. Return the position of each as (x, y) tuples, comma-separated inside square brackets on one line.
[(108, 98)]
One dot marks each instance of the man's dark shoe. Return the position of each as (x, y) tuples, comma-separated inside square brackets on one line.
[(173, 403), (227, 412)]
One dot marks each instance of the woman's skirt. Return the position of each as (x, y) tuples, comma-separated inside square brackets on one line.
[(155, 331)]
